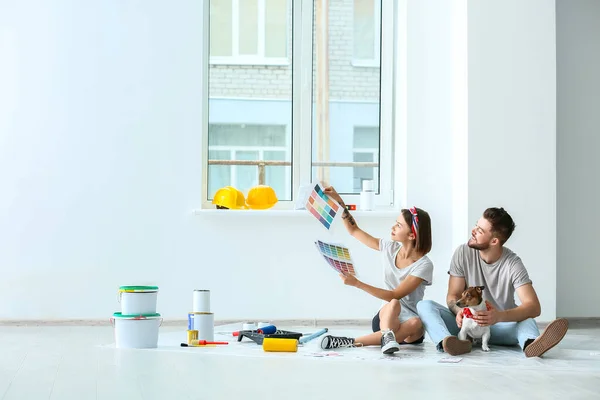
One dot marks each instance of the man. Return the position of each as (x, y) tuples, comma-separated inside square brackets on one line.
[(484, 261)]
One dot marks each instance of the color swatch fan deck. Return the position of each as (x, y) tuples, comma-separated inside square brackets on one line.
[(337, 256), (322, 207)]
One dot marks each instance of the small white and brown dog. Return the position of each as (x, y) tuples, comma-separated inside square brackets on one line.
[(471, 302)]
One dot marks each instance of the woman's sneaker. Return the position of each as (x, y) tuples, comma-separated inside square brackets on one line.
[(388, 342), (335, 342)]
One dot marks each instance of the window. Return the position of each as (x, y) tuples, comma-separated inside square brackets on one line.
[(317, 117), (249, 31), (367, 33)]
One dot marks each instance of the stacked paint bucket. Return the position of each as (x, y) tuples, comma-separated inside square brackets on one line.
[(136, 326), (201, 321)]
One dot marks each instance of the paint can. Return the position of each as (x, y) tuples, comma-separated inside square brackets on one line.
[(138, 300), (249, 326), (280, 345), (192, 335), (204, 323), (201, 301), (136, 331)]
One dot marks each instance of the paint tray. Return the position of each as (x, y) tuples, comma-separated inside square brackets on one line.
[(259, 337)]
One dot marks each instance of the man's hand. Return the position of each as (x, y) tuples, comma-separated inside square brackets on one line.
[(330, 191), (486, 318), (459, 318), (349, 280)]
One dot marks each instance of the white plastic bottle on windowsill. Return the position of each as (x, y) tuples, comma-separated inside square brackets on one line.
[(367, 196)]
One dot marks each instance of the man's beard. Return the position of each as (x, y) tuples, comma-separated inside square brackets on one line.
[(477, 246)]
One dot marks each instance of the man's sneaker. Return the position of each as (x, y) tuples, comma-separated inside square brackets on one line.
[(547, 340), (335, 342), (388, 342), (454, 346)]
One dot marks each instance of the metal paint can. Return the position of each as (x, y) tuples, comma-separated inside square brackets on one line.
[(192, 335)]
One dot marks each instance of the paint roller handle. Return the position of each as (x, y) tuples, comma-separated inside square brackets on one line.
[(306, 339)]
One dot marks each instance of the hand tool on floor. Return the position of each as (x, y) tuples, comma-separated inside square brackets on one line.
[(306, 339)]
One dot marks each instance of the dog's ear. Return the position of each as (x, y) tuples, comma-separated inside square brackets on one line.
[(480, 288)]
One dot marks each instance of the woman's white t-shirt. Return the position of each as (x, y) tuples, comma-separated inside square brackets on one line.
[(392, 275)]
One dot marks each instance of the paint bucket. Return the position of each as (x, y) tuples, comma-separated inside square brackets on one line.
[(192, 335), (138, 300), (204, 323), (201, 301), (136, 331), (249, 326)]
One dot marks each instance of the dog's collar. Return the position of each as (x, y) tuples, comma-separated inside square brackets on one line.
[(468, 314)]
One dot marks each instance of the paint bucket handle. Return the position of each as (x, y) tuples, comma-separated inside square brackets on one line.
[(161, 322), (112, 321), (119, 296)]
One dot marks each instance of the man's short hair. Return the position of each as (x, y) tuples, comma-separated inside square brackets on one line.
[(501, 221)]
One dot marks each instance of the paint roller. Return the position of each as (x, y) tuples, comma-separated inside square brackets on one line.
[(265, 330), (280, 345), (289, 345)]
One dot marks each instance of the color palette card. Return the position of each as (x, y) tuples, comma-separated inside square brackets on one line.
[(338, 257), (322, 207)]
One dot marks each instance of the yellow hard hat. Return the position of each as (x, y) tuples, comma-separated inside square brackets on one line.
[(261, 197), (229, 197)]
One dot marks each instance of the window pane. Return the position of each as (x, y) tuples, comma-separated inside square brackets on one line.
[(366, 137), (364, 29), (366, 149), (345, 97), (275, 176), (218, 175), (363, 173), (246, 176), (220, 28), (248, 34), (250, 112), (246, 135), (275, 28)]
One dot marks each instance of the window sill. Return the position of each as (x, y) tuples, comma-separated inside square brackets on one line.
[(382, 213)]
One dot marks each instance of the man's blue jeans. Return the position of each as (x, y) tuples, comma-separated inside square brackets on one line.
[(440, 322)]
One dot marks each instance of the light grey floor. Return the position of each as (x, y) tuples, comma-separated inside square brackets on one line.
[(70, 362)]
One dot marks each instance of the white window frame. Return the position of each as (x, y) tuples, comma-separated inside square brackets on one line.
[(373, 63), (302, 107), (238, 59)]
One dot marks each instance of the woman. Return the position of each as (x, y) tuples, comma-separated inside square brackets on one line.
[(406, 269)]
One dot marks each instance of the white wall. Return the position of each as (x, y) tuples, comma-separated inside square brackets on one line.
[(512, 128), (100, 170), (100, 165), (578, 140), (430, 135)]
